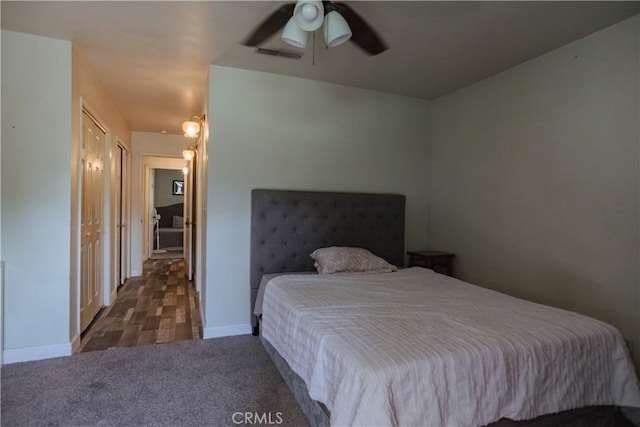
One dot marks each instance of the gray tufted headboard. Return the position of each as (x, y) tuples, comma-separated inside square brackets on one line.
[(286, 226)]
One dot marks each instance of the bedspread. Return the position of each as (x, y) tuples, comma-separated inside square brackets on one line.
[(419, 348)]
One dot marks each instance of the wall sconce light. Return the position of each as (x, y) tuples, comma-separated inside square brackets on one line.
[(189, 153), (192, 126), (191, 129)]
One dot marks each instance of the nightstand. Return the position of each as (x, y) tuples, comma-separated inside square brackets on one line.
[(439, 261)]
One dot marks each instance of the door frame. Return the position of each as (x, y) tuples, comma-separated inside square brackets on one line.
[(189, 219), (121, 262), (148, 164)]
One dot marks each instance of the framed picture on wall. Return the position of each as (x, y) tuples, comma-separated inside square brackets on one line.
[(178, 188)]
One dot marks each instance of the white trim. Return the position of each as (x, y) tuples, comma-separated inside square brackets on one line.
[(107, 234), (26, 354), (125, 211), (93, 115), (226, 331), (76, 228)]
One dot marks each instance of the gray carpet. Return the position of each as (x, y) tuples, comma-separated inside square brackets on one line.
[(189, 383)]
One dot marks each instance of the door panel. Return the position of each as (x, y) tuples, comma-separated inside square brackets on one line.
[(117, 210), (91, 245), (124, 215)]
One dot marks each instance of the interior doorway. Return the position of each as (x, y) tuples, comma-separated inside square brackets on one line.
[(165, 218), (167, 201)]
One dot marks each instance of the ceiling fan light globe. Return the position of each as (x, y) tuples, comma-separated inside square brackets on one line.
[(294, 35), (309, 14), (336, 29)]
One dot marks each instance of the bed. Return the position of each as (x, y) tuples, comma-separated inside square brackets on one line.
[(416, 323), (171, 226)]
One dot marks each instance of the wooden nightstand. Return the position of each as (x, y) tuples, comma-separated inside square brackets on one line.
[(442, 262)]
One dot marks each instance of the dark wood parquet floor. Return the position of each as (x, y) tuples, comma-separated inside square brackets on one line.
[(159, 307)]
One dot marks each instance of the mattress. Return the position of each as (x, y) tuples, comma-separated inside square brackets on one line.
[(263, 285), (419, 348)]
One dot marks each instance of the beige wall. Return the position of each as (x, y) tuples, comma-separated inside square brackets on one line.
[(273, 131), (535, 179), (42, 81), (36, 183)]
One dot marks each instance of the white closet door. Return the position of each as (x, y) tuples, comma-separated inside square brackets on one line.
[(91, 247)]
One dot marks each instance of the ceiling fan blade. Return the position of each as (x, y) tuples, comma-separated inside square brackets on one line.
[(362, 34), (270, 25)]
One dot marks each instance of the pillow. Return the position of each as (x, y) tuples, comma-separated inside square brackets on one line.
[(337, 259), (178, 221)]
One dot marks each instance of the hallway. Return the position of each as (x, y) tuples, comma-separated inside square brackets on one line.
[(159, 307)]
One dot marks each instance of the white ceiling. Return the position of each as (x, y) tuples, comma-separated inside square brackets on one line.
[(152, 57)]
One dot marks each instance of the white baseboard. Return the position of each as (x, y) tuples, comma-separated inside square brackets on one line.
[(75, 343), (26, 354), (226, 331)]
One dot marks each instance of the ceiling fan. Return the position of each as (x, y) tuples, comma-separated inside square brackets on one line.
[(341, 23)]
